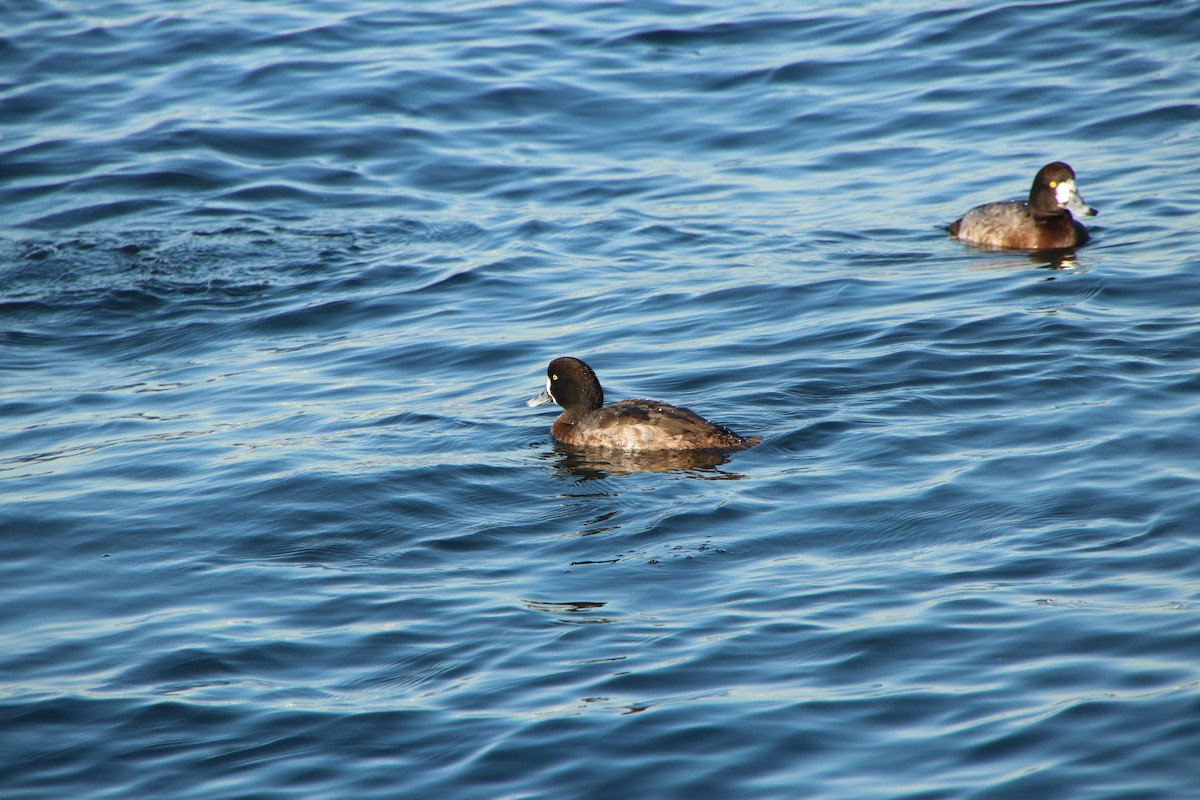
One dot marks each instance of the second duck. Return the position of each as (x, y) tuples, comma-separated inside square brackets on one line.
[(1043, 222), (627, 424)]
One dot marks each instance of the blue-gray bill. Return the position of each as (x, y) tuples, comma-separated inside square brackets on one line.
[(541, 399), (1069, 198)]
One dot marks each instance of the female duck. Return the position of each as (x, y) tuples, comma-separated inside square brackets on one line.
[(1044, 222), (627, 424)]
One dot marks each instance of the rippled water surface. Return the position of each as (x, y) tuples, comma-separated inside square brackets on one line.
[(275, 281)]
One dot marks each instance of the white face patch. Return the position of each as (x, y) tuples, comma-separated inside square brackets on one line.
[(544, 397), (1068, 197), (1065, 192)]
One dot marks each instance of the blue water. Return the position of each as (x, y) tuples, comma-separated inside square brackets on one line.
[(277, 278)]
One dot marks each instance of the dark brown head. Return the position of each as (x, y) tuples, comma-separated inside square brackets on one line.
[(1053, 193), (572, 384)]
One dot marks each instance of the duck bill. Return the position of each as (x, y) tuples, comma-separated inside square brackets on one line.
[(1069, 198), (541, 399)]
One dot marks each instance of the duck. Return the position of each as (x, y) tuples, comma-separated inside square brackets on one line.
[(630, 425), (1046, 221)]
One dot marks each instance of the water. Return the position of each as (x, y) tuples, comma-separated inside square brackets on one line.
[(277, 279)]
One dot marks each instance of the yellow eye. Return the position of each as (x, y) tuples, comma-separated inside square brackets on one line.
[(1053, 184), (553, 377)]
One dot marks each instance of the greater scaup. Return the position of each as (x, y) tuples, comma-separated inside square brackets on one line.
[(627, 424), (1044, 222)]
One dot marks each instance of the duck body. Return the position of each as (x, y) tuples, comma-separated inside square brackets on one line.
[(1045, 221), (642, 424), (637, 424)]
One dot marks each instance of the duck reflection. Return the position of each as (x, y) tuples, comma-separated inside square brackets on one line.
[(1057, 261), (1054, 260), (596, 464), (567, 611)]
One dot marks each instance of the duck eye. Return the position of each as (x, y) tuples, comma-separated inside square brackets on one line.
[(553, 377), (1053, 184)]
